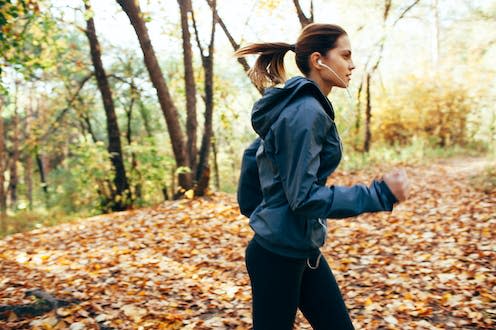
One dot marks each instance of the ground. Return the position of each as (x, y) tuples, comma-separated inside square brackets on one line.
[(430, 264)]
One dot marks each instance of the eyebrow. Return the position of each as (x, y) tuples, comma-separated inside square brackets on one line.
[(346, 52)]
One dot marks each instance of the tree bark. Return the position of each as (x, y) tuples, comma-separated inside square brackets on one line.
[(216, 163), (28, 153), (28, 163), (3, 159), (203, 171), (44, 184), (169, 110), (368, 117), (190, 85), (304, 20), (121, 195), (13, 179)]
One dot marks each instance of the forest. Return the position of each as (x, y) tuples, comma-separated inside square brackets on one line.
[(132, 116)]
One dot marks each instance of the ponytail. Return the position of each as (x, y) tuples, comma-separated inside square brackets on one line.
[(269, 66)]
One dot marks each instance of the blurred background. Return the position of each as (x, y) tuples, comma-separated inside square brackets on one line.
[(112, 105)]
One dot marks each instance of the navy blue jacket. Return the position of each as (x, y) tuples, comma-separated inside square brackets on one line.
[(283, 174)]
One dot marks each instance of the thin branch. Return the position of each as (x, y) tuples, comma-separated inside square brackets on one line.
[(197, 36), (212, 32), (304, 20), (241, 60), (387, 8), (52, 128), (407, 9)]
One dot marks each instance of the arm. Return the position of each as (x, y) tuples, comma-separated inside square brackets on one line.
[(249, 193), (298, 142)]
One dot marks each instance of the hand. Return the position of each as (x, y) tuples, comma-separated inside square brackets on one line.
[(397, 181)]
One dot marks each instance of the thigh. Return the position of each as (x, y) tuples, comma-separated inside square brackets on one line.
[(275, 283), (321, 301)]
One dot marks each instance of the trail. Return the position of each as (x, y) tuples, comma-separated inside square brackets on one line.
[(430, 264)]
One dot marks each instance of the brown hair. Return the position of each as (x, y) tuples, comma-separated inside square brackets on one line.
[(269, 66)]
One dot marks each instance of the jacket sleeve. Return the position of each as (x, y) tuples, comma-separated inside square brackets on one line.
[(298, 142), (249, 193)]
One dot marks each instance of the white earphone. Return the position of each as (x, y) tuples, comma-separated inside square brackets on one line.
[(350, 102), (319, 61)]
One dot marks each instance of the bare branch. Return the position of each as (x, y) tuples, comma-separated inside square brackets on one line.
[(304, 20), (407, 9), (241, 60), (387, 8), (197, 36)]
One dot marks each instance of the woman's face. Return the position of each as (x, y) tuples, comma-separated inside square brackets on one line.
[(339, 60)]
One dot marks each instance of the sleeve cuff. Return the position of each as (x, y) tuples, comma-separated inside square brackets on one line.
[(387, 192)]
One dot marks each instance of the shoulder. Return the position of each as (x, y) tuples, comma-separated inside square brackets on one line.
[(306, 109)]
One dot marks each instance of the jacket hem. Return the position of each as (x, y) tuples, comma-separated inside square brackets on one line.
[(285, 252)]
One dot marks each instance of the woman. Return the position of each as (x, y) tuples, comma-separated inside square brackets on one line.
[(282, 183)]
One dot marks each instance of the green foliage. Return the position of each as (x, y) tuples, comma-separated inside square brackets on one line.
[(26, 220), (418, 151), (26, 36), (152, 172), (83, 179)]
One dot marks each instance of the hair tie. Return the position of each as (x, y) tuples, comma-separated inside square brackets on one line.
[(292, 47)]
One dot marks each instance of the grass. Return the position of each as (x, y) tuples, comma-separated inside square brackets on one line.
[(418, 152), (26, 220)]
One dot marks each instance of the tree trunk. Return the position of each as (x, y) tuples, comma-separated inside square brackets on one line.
[(13, 179), (368, 117), (41, 170), (216, 163), (203, 171), (146, 118), (28, 160), (121, 196), (133, 11), (136, 193), (3, 158), (28, 181), (190, 85)]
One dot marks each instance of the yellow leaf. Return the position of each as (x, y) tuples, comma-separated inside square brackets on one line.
[(189, 194)]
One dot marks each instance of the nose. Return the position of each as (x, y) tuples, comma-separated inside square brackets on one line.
[(351, 66)]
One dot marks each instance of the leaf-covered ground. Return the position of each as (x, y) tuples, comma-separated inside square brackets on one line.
[(428, 265)]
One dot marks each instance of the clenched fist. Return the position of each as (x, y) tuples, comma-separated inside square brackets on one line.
[(398, 183)]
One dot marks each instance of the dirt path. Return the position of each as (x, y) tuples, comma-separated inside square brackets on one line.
[(430, 264)]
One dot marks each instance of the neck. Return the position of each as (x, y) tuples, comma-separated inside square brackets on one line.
[(325, 88)]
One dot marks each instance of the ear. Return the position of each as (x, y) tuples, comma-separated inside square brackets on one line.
[(313, 60)]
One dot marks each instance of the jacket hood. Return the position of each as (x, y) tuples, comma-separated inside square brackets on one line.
[(267, 109)]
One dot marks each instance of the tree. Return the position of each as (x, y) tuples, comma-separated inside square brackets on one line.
[(169, 110), (14, 152), (203, 171), (3, 159), (120, 197), (372, 65), (189, 81)]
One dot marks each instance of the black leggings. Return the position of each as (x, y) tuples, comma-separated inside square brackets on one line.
[(280, 285)]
